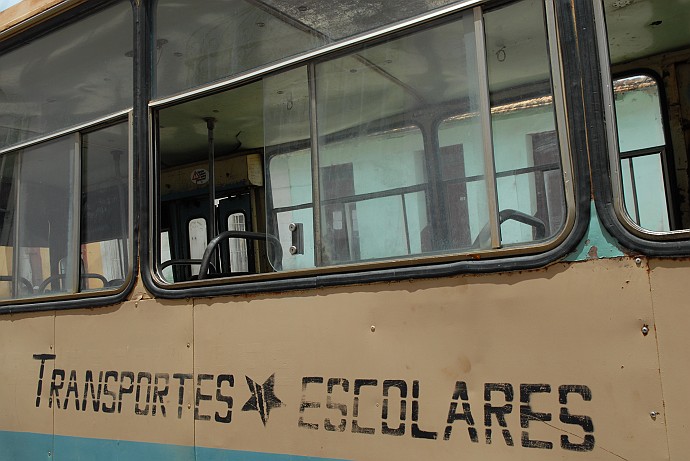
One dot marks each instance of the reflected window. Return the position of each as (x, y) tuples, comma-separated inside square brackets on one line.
[(55, 253), (643, 153), (373, 155)]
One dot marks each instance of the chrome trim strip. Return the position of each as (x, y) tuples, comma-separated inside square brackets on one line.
[(66, 131)]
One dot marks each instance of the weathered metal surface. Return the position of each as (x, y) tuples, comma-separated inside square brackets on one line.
[(135, 350), (406, 370), (21, 337), (670, 292), (550, 331)]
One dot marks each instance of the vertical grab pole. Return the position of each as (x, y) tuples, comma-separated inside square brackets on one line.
[(487, 134), (211, 229)]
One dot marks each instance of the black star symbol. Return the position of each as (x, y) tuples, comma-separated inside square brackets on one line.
[(263, 398)]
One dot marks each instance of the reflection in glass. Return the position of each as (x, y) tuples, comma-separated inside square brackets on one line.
[(46, 247), (526, 149), (78, 73), (105, 216), (10, 286), (642, 147), (195, 46), (372, 155)]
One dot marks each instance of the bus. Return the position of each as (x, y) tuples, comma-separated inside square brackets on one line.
[(301, 230)]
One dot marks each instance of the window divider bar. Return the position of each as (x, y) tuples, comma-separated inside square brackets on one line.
[(75, 224), (17, 219), (315, 178), (487, 134)]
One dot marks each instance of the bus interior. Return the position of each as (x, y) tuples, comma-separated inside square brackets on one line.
[(387, 138), (391, 134)]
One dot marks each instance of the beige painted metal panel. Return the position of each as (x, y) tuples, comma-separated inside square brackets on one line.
[(137, 346), (21, 337), (670, 293), (574, 324)]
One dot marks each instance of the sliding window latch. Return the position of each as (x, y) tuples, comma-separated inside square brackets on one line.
[(297, 231)]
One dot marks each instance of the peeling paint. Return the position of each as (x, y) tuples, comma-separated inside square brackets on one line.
[(597, 244)]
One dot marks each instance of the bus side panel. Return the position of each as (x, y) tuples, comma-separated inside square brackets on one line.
[(137, 351), (547, 364), (670, 293), (26, 367)]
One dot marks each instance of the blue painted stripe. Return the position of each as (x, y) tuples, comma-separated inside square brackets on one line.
[(25, 446)]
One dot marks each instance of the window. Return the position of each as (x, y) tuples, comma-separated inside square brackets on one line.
[(65, 173), (643, 152), (648, 143), (442, 141)]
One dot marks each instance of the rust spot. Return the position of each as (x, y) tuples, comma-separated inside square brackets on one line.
[(593, 253)]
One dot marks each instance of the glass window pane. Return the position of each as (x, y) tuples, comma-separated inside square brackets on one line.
[(526, 148), (641, 130), (650, 192), (638, 113), (77, 73), (398, 150), (196, 45), (9, 175), (372, 154), (105, 214), (288, 156), (47, 251)]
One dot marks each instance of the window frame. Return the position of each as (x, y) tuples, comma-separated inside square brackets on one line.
[(574, 167), (604, 147), (84, 298), (14, 37)]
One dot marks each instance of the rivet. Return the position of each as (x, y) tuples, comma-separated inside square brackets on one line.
[(654, 414), (189, 345), (293, 250), (51, 347), (373, 328), (638, 261), (189, 406), (645, 330)]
